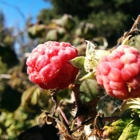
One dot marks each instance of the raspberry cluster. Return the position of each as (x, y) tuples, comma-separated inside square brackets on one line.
[(119, 72), (49, 66)]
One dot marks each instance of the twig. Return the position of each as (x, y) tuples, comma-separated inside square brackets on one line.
[(135, 23), (56, 103), (76, 92), (63, 115), (132, 32), (75, 89), (109, 119)]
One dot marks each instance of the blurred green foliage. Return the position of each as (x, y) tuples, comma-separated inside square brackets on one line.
[(109, 17)]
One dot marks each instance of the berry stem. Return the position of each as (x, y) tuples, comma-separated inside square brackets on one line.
[(109, 119), (56, 105), (76, 92), (78, 103), (63, 115)]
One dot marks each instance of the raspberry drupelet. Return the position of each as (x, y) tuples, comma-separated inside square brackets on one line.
[(119, 72), (49, 66)]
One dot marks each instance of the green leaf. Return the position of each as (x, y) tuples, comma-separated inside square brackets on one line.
[(131, 130), (81, 73), (138, 135), (90, 89), (135, 41), (63, 94), (78, 62), (125, 128), (114, 130), (90, 75), (35, 96)]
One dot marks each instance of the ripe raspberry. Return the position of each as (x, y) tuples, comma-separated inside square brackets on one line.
[(119, 72), (49, 66)]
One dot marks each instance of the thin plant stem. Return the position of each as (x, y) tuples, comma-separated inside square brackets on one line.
[(63, 115), (135, 23), (109, 119)]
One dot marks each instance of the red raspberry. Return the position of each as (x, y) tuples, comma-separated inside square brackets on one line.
[(119, 72), (49, 66)]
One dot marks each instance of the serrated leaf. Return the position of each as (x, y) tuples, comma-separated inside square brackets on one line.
[(125, 128), (125, 135), (113, 131), (131, 130), (128, 124), (78, 62)]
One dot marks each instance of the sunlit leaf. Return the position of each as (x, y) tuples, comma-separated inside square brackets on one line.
[(78, 62)]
